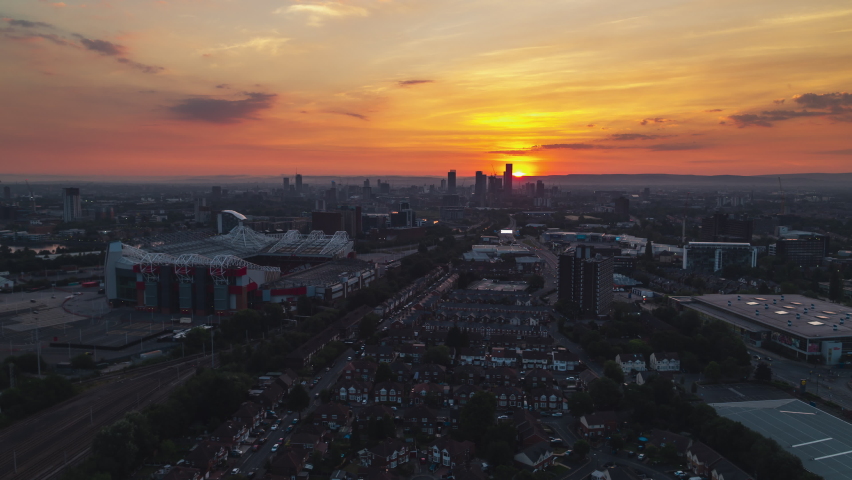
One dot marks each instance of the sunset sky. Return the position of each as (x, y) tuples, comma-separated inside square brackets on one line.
[(183, 87)]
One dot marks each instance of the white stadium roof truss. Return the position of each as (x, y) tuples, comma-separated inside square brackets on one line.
[(338, 241)]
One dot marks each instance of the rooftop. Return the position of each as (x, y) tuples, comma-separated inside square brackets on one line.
[(816, 317)]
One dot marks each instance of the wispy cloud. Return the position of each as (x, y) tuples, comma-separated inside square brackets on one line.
[(269, 44), (317, 13), (635, 136), (351, 114), (409, 83), (217, 110)]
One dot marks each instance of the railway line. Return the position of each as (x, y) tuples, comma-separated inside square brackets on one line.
[(41, 447)]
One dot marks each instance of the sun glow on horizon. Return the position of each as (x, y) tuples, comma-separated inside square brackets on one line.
[(518, 174)]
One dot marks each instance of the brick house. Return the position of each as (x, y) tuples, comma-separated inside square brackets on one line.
[(391, 453), (360, 370), (229, 434), (289, 464), (351, 390), (565, 361), (598, 424), (532, 359), (428, 372), (501, 376), (421, 419), (535, 457), (450, 453), (630, 362), (548, 399), (249, 414), (332, 415), (538, 378), (503, 357), (205, 456), (401, 372), (508, 397), (463, 394), (467, 374), (390, 392)]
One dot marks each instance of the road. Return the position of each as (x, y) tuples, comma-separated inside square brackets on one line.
[(251, 460)]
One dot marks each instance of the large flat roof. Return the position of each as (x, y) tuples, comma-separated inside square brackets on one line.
[(817, 323), (822, 441)]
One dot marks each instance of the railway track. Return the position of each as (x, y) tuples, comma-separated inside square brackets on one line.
[(42, 447)]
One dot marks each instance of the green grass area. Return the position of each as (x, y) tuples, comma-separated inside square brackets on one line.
[(558, 469)]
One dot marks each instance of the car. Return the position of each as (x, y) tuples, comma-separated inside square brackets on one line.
[(235, 471), (679, 473), (295, 421), (262, 441), (275, 447), (289, 412), (631, 454), (757, 357), (364, 401), (316, 395), (255, 447), (641, 457), (349, 358), (274, 427), (503, 417), (571, 379), (289, 429), (768, 359), (557, 414), (609, 465), (545, 413)]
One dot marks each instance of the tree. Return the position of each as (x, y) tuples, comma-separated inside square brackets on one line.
[(581, 448), (439, 354), (298, 399), (536, 282), (453, 338), (304, 306), (368, 326), (325, 395), (713, 371), (83, 362), (616, 442), (649, 251), (835, 287), (422, 248), (763, 372), (605, 393), (612, 370), (477, 416), (383, 372), (581, 403)]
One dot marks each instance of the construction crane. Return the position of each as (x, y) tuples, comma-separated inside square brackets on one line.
[(783, 197), (32, 196)]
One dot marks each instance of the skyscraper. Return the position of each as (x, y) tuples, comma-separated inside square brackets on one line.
[(585, 278), (286, 184), (480, 188), (216, 192), (451, 182), (622, 208), (507, 179), (71, 208), (7, 193), (298, 183)]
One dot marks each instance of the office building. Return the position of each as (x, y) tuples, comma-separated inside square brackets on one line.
[(216, 192), (646, 193), (585, 278), (72, 210), (201, 211), (710, 257), (805, 249), (298, 183), (7, 193), (480, 188), (726, 228), (451, 182), (286, 184), (404, 217), (507, 179), (622, 208)]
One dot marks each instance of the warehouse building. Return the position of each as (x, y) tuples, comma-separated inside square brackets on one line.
[(807, 327)]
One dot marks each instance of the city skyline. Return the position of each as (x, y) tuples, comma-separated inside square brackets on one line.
[(406, 88)]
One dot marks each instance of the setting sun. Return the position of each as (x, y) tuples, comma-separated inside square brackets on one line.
[(518, 174)]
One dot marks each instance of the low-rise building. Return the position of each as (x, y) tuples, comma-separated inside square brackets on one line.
[(630, 362), (665, 362)]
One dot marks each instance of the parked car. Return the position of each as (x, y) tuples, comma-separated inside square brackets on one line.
[(275, 447), (289, 429), (641, 457), (557, 414), (274, 427), (235, 471)]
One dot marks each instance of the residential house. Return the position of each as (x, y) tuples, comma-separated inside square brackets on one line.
[(271, 397), (464, 393), (412, 352), (421, 419), (725, 470), (249, 414), (662, 438), (547, 399), (598, 424), (422, 392), (373, 412), (307, 441), (391, 453), (385, 354), (532, 359), (538, 378), (401, 371), (287, 379), (503, 357), (535, 457), (565, 361), (289, 464), (701, 458), (501, 376), (630, 362), (468, 374), (360, 370), (332, 415), (472, 356), (388, 392), (508, 397), (665, 362), (352, 390), (229, 434), (429, 372), (585, 378), (450, 453), (530, 431), (183, 473), (540, 343), (206, 455)]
